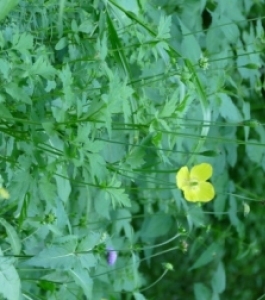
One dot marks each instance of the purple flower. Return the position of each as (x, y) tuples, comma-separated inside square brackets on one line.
[(111, 256)]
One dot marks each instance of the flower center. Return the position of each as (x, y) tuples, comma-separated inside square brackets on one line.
[(193, 183)]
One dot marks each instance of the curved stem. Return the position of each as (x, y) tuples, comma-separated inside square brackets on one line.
[(154, 283)]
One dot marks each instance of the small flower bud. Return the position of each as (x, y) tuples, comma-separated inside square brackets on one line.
[(112, 256)]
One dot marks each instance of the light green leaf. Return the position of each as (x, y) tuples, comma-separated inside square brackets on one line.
[(190, 47), (201, 292), (17, 93), (22, 41), (56, 256), (62, 43), (82, 279), (138, 296), (47, 190), (6, 6), (89, 241), (102, 204), (219, 279), (118, 197), (12, 236), (228, 109), (163, 31), (254, 151), (63, 184), (41, 67), (229, 29), (4, 112), (9, 279)]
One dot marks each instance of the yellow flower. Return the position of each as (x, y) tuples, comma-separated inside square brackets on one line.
[(4, 193), (193, 183)]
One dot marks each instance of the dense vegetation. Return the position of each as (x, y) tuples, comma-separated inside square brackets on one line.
[(102, 103)]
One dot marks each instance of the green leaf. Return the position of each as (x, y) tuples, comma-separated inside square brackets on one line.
[(9, 279), (163, 30), (229, 29), (122, 219), (12, 236), (4, 112), (89, 241), (254, 152), (228, 109), (82, 279), (219, 279), (118, 197), (41, 67), (207, 256), (63, 184), (209, 153), (87, 27), (22, 41), (190, 47), (47, 190), (6, 6), (138, 296), (195, 216), (17, 93), (56, 256), (201, 292), (102, 204), (61, 44), (156, 225)]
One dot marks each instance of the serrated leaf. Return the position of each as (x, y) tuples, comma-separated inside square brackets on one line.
[(56, 257), (41, 67), (163, 31), (22, 41), (17, 93), (12, 236), (89, 242), (118, 197)]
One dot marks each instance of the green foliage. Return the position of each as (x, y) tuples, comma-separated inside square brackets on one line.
[(101, 104)]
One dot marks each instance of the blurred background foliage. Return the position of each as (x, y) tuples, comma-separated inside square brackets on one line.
[(101, 103)]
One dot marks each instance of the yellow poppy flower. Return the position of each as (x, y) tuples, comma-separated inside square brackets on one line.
[(193, 183), (4, 193)]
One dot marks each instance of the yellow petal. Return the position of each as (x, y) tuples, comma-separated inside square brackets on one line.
[(182, 177), (206, 192), (190, 193), (201, 172), (203, 192)]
